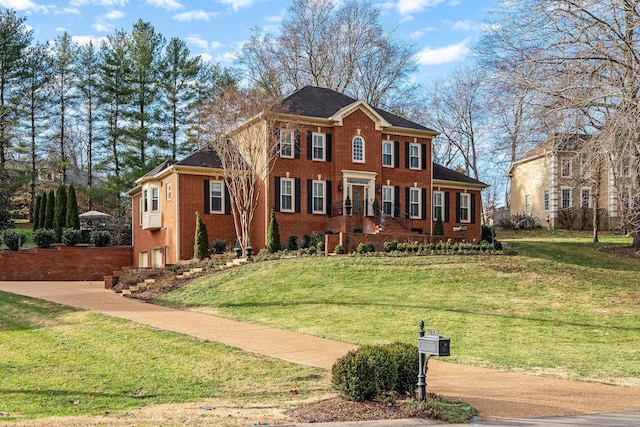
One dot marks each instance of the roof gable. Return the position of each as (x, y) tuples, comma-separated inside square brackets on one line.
[(445, 174)]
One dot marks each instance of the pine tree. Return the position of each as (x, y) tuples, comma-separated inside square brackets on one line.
[(42, 212), (49, 213), (36, 210), (201, 246), (60, 212), (438, 228), (273, 236), (72, 220), (5, 200)]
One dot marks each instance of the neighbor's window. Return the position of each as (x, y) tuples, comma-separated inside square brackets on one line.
[(168, 192), (545, 200), (527, 204), (155, 199), (145, 200), (586, 198), (565, 167), (387, 153), (566, 198), (358, 149), (286, 143), (438, 205), (318, 146), (465, 207), (286, 195)]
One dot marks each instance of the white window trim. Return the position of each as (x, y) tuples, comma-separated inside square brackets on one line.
[(145, 200), (324, 197), (390, 190), (527, 204), (417, 156), (467, 197), (353, 151), (589, 204), (155, 197), (313, 146), (290, 143), (569, 160), (222, 195), (562, 190), (546, 200), (391, 163), (169, 191), (418, 191), (292, 195), (441, 205)]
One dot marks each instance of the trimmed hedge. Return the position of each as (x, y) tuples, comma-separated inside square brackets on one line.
[(44, 237), (100, 238)]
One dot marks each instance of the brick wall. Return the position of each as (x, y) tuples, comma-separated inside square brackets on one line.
[(64, 263)]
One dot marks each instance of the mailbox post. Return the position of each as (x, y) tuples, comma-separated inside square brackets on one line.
[(431, 345)]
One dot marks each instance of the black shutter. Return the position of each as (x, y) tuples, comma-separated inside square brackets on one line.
[(424, 156), (309, 145), (227, 200), (297, 181), (396, 154), (457, 207), (407, 201), (327, 199), (473, 209), (296, 148), (276, 137), (396, 201), (207, 197), (406, 155), (328, 155), (424, 203), (277, 194), (309, 196), (446, 206)]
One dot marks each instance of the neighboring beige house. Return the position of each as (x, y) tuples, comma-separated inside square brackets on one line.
[(553, 184)]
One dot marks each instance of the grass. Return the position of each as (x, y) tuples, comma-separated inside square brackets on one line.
[(58, 361), (559, 308)]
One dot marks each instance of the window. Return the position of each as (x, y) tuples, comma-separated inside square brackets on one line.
[(438, 205), (318, 196), (586, 198), (145, 200), (286, 143), (545, 200), (387, 153), (565, 167), (566, 198), (217, 196), (318, 146), (168, 192), (387, 200), (414, 202), (358, 149), (286, 195), (465, 207), (527, 204), (155, 199), (414, 156)]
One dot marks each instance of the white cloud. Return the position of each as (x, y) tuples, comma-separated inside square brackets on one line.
[(22, 5), (114, 14), (166, 4), (466, 25), (83, 40), (406, 7), (198, 41), (421, 32), (194, 15), (274, 19), (238, 4), (102, 27), (215, 45), (443, 55), (104, 3)]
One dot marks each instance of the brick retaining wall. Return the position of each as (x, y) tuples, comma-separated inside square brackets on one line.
[(64, 263)]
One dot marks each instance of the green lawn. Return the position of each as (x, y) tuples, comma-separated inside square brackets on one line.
[(559, 308), (58, 361)]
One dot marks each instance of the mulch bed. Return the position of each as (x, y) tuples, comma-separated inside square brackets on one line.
[(622, 251), (337, 410)]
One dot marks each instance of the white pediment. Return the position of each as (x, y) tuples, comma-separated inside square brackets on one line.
[(379, 121)]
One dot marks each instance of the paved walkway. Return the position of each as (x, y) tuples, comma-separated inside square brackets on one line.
[(496, 394)]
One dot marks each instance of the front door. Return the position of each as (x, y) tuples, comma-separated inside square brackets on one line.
[(358, 199)]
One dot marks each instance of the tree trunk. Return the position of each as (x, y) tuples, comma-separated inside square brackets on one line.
[(636, 240)]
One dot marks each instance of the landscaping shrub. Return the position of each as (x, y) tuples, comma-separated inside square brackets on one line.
[(352, 378), (320, 246), (371, 247), (361, 249), (71, 236), (311, 250), (390, 246), (339, 249), (60, 212), (292, 243), (13, 239), (100, 238), (497, 245), (438, 228), (406, 356), (201, 245), (487, 234), (218, 246), (72, 220), (44, 237), (385, 367), (273, 235)]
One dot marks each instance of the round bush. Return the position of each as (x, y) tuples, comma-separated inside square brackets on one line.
[(100, 238), (339, 249), (407, 357), (13, 239), (320, 246), (44, 237), (292, 243), (362, 248), (390, 246), (218, 246), (352, 376), (371, 247), (71, 236)]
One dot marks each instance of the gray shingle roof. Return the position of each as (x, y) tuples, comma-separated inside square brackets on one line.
[(446, 174), (311, 101)]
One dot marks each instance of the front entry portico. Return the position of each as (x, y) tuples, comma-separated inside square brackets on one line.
[(360, 187)]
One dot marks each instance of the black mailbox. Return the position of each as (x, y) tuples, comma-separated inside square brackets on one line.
[(433, 344)]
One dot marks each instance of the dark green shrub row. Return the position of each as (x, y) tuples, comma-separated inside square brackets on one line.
[(71, 236), (442, 247), (100, 238), (372, 371), (365, 248)]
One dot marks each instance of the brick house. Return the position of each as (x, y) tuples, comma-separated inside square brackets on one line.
[(330, 148), (553, 183)]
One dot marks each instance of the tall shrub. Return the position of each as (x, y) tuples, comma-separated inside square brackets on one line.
[(50, 210), (273, 236), (72, 220), (42, 210), (438, 228), (201, 245), (36, 208), (60, 212)]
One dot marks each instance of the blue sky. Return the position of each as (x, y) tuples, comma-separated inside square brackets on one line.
[(441, 30)]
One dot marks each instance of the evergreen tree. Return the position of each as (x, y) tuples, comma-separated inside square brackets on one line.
[(42, 212), (273, 236), (51, 203), (60, 212), (5, 200), (72, 220), (438, 228), (35, 218), (201, 246)]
